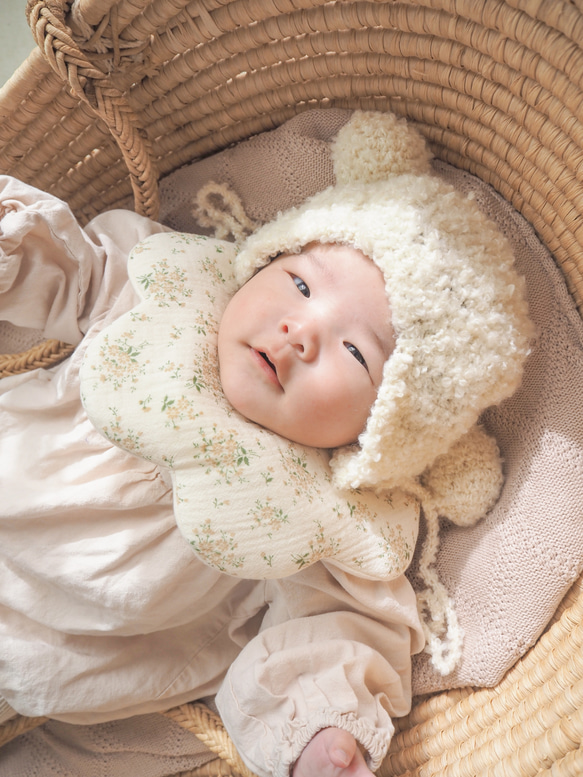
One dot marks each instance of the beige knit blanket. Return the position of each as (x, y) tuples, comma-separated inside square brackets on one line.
[(508, 574)]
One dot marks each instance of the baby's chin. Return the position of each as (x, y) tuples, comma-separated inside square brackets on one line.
[(324, 441)]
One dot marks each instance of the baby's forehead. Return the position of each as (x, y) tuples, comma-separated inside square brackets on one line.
[(350, 274), (339, 264), (324, 254)]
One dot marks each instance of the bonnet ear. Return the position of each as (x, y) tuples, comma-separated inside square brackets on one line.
[(376, 146), (465, 482)]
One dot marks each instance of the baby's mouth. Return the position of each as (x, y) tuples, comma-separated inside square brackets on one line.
[(271, 364)]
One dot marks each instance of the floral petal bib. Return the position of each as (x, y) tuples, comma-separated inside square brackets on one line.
[(248, 502)]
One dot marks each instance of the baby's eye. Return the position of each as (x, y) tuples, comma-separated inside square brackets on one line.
[(303, 287), (357, 354)]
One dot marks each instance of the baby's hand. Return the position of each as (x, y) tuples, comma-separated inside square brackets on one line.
[(333, 752)]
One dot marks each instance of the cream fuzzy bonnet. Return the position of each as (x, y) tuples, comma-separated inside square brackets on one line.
[(458, 306), (461, 323)]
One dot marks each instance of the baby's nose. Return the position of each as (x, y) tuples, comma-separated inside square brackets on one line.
[(304, 337)]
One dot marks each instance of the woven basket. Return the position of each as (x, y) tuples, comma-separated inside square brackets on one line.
[(121, 92)]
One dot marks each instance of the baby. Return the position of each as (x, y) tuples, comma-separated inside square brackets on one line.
[(301, 351), (378, 319)]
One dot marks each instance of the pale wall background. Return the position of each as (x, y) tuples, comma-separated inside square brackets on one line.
[(16, 41)]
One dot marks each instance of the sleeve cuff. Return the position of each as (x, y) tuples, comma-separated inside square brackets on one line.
[(297, 734)]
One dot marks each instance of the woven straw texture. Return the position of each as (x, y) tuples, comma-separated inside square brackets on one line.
[(120, 93), (44, 355)]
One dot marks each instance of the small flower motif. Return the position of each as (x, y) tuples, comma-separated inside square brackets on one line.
[(216, 547), (361, 514), (139, 318), (223, 454), (165, 284), (266, 514), (299, 477), (126, 438), (146, 403), (395, 550), (320, 547), (141, 248), (169, 462), (179, 409), (206, 375), (174, 370), (211, 267), (120, 361), (268, 475), (204, 324), (176, 332)]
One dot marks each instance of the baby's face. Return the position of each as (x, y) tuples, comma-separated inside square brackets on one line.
[(302, 345)]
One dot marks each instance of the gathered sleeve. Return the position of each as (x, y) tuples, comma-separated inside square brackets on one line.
[(51, 269), (333, 650)]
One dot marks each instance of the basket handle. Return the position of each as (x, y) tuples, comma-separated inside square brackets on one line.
[(91, 84)]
